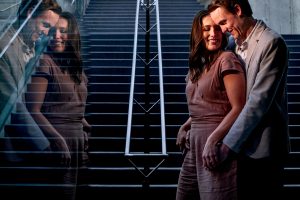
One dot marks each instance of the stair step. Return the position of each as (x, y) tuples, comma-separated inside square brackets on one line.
[(294, 130), (123, 107), (121, 118), (115, 130), (118, 159), (137, 142), (134, 192), (124, 96), (107, 47)]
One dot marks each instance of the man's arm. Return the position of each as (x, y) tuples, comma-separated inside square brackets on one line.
[(270, 75)]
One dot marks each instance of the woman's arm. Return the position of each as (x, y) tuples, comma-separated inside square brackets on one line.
[(34, 100), (235, 85)]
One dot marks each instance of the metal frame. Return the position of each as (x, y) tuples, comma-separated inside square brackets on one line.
[(147, 6)]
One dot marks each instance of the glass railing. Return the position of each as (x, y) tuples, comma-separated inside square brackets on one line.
[(77, 7), (16, 72), (17, 61), (8, 13), (9, 9)]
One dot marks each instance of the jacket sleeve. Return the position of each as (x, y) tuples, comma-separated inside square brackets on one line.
[(8, 85), (269, 75)]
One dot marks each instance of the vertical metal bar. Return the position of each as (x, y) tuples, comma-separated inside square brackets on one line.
[(130, 107), (147, 76), (161, 85), (147, 92)]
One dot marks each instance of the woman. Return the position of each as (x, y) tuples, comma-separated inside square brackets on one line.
[(215, 93), (57, 100)]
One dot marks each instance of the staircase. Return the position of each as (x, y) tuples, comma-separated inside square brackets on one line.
[(108, 33), (107, 36), (292, 169), (108, 46)]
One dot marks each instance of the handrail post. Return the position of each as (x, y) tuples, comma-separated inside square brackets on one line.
[(147, 91), (147, 169)]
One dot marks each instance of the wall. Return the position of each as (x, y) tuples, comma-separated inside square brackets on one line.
[(275, 13), (295, 15), (7, 10), (281, 15)]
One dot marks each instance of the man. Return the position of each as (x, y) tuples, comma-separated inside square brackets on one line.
[(260, 134), (18, 50)]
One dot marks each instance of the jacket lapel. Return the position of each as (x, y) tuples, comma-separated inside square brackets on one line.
[(252, 43)]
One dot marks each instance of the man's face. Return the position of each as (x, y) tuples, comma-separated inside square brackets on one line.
[(42, 24), (227, 21)]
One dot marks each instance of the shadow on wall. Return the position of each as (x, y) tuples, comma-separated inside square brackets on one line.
[(76, 7), (9, 8), (204, 2)]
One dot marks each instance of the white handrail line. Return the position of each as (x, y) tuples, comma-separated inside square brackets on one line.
[(162, 101), (129, 122)]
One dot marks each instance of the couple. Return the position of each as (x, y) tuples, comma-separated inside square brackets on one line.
[(236, 138), (52, 108)]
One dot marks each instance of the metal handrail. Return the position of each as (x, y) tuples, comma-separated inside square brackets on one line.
[(132, 100), (133, 72), (161, 84)]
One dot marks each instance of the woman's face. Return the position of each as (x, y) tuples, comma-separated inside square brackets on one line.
[(60, 38), (212, 34)]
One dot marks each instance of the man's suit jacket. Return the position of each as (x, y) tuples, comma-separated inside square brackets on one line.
[(261, 130), (12, 70)]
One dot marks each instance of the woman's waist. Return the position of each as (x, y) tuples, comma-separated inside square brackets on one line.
[(66, 123), (198, 119), (64, 117)]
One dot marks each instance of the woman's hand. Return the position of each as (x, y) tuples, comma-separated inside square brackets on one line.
[(86, 140), (60, 146), (183, 139), (87, 128)]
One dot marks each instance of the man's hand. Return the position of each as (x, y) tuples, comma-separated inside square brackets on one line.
[(213, 160)]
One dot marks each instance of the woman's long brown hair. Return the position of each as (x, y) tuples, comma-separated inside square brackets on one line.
[(73, 47), (71, 59), (199, 57)]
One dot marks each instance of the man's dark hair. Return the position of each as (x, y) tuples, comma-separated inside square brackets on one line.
[(27, 6), (229, 5)]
